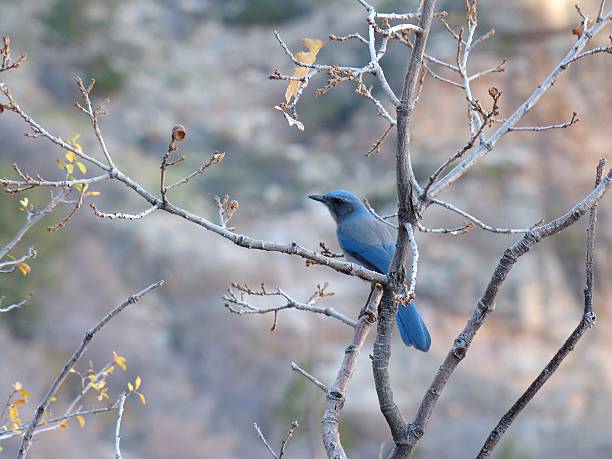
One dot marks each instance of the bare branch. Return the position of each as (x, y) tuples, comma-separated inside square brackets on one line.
[(7, 62), (78, 353), (122, 399), (33, 216), (178, 134), (71, 214), (336, 395), (216, 158), (236, 303), (17, 305), (308, 376), (122, 215), (487, 304), (586, 322), (478, 222), (487, 145), (262, 438), (571, 122), (466, 228), (351, 36), (602, 5), (93, 114), (294, 425), (487, 116), (441, 78), (501, 67), (408, 215)]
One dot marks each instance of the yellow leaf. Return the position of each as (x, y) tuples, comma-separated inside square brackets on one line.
[(70, 156), (63, 424), (143, 400), (79, 186), (120, 361), (13, 412), (24, 268), (137, 382), (70, 168), (24, 202), (19, 402), (17, 386), (92, 378), (74, 142), (307, 57), (81, 420), (93, 193), (53, 399), (24, 393), (81, 167), (130, 387), (290, 120), (1, 449)]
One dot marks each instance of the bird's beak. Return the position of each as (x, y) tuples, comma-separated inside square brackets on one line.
[(319, 197)]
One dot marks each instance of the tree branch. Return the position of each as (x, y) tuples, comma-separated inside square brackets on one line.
[(336, 394), (586, 322), (487, 304), (408, 216), (487, 145), (78, 353), (122, 399)]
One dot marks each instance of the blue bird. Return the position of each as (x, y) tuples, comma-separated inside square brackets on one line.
[(368, 242)]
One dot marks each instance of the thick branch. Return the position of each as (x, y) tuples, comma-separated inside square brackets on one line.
[(336, 394), (408, 215)]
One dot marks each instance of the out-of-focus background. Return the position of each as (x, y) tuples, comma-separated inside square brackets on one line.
[(208, 375)]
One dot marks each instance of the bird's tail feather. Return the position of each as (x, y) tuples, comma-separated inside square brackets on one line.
[(412, 328)]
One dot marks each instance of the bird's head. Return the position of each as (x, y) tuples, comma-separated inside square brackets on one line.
[(341, 203)]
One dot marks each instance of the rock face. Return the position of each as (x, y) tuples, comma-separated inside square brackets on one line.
[(209, 375)]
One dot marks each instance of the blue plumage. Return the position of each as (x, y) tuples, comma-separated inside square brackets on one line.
[(369, 243)]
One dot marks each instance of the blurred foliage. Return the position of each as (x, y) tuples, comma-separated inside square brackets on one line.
[(508, 450), (254, 12), (109, 77), (331, 111), (15, 286), (77, 24), (68, 21), (298, 401)]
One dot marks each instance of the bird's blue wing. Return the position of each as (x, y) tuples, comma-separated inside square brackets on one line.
[(368, 243)]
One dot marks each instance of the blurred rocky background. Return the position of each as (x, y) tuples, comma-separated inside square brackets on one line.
[(209, 375)]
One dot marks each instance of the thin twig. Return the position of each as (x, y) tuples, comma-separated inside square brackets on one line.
[(478, 222), (262, 438), (308, 376), (571, 122), (235, 302), (283, 448)]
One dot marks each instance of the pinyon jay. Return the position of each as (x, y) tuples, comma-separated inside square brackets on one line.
[(368, 242)]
